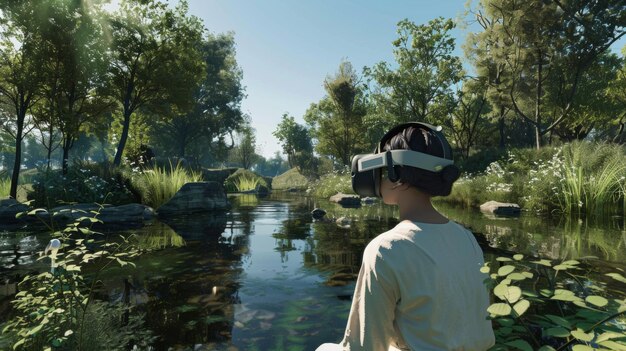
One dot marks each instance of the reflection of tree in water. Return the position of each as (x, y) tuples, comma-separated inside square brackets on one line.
[(339, 251), (297, 226), (188, 293)]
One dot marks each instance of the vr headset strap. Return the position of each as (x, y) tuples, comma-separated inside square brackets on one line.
[(404, 158)]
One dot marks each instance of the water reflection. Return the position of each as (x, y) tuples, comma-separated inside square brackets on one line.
[(265, 276)]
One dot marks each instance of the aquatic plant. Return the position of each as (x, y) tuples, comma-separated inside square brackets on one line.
[(544, 305), (59, 309), (158, 185), (244, 180)]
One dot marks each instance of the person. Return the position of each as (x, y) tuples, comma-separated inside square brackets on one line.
[(420, 285)]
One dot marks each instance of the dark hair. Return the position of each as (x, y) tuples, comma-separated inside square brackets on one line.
[(426, 141)]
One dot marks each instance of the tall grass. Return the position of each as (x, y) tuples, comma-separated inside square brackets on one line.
[(246, 183), (158, 185), (331, 184), (5, 187)]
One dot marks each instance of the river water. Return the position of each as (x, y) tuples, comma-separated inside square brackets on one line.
[(266, 276)]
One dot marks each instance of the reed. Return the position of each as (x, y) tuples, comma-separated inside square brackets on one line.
[(158, 185)]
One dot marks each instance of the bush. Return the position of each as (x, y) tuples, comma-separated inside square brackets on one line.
[(331, 184), (292, 179), (245, 180), (158, 185), (58, 310), (84, 182)]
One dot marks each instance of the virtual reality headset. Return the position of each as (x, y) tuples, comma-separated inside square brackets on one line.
[(367, 168)]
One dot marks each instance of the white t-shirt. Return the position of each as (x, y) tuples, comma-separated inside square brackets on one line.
[(421, 287)]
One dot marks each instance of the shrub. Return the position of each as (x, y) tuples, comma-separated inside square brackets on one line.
[(245, 180), (292, 179), (58, 310), (542, 305), (84, 182), (158, 185), (331, 184)]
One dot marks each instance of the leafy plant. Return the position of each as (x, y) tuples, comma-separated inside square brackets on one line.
[(244, 180), (59, 309), (331, 184), (5, 186), (551, 306), (158, 185)]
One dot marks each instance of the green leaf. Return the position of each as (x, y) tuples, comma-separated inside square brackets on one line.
[(505, 270), (582, 348), (528, 275), (501, 290), (513, 294), (521, 307), (561, 267), (485, 269), (68, 332), (559, 321), (558, 332), (612, 345), (72, 268), (499, 309), (543, 262), (617, 276), (518, 257), (505, 322), (503, 259), (19, 343), (565, 295), (581, 335), (520, 345), (35, 329), (546, 348), (597, 300), (516, 276), (570, 262)]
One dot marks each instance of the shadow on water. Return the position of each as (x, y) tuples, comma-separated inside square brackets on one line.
[(266, 276)]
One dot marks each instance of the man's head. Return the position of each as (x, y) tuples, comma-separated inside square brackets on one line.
[(427, 140)]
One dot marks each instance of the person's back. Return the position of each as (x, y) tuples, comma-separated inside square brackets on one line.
[(436, 267), (420, 286)]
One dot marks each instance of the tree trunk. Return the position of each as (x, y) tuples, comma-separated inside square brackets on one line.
[(17, 164), (120, 147), (538, 102), (67, 144), (501, 129)]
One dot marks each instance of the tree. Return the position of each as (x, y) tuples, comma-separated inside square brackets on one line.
[(216, 111), (245, 152), (336, 121), (21, 51), (546, 47), (419, 89), (616, 93), (296, 142), (155, 61)]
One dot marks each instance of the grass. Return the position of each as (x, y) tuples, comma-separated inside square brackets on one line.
[(331, 184), (5, 187), (244, 180), (158, 185), (580, 178), (246, 183)]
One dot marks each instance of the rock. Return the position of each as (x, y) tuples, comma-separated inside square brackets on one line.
[(9, 208), (196, 197), (501, 208), (346, 200), (124, 214), (318, 213), (368, 200), (343, 222)]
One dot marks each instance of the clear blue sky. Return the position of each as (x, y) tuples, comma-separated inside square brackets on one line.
[(287, 48)]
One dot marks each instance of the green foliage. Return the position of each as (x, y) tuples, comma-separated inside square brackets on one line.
[(579, 178), (245, 180), (159, 184), (297, 144), (84, 182), (331, 184), (336, 121), (292, 179), (58, 310), (545, 305), (5, 186), (419, 89)]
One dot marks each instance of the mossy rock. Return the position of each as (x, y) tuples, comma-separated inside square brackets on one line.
[(290, 180), (248, 182), (217, 175)]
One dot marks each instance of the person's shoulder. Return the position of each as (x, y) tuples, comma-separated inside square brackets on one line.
[(384, 242)]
